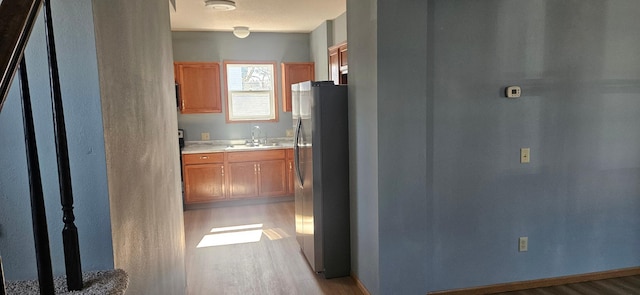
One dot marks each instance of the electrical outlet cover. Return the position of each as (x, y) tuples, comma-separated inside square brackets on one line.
[(523, 244)]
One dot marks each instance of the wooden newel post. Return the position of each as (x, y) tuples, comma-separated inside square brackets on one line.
[(70, 232)]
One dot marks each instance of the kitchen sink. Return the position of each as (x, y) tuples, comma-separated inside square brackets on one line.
[(249, 147)]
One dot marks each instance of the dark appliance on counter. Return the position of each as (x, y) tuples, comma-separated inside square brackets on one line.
[(177, 95), (181, 138), (321, 156), (181, 144)]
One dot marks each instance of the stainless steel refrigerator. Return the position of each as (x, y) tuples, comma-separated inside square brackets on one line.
[(321, 156)]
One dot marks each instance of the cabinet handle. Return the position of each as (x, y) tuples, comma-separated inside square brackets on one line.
[(255, 168), (204, 157), (290, 166), (222, 170), (258, 167)]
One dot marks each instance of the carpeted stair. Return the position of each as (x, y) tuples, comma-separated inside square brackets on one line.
[(111, 282)]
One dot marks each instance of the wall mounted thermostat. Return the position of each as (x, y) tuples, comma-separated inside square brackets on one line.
[(513, 91)]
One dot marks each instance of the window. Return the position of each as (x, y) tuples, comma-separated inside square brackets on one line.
[(251, 91)]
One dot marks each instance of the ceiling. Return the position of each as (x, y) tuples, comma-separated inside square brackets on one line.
[(258, 15)]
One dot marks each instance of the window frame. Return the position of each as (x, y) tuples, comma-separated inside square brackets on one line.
[(228, 94)]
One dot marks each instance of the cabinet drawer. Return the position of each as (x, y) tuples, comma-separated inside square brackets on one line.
[(203, 158), (289, 153), (255, 156)]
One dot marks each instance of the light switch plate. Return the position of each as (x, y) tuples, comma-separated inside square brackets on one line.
[(525, 155), (205, 136)]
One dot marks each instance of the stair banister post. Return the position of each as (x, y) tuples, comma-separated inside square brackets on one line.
[(3, 291), (38, 212), (70, 231)]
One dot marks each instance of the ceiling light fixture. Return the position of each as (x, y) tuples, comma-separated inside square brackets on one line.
[(222, 5), (241, 32)]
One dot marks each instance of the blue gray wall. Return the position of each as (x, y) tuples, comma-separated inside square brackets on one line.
[(363, 141), (405, 148), (221, 46), (339, 29), (73, 21), (452, 196), (578, 201), (320, 42), (327, 34)]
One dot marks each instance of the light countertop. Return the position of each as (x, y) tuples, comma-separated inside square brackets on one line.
[(216, 146)]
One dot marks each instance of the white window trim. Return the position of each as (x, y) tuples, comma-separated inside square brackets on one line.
[(234, 116)]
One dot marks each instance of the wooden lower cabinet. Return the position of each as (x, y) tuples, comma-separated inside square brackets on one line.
[(272, 178), (243, 180), (204, 178), (237, 175), (290, 172), (257, 174)]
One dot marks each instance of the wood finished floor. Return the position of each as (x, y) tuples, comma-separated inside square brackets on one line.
[(273, 265), (618, 286)]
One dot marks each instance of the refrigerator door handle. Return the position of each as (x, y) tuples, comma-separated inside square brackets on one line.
[(296, 151)]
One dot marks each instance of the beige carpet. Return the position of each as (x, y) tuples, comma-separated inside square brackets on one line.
[(111, 282)]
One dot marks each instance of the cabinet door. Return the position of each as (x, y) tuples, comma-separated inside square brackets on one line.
[(290, 172), (199, 87), (203, 183), (334, 66), (273, 178), (243, 180), (338, 63), (343, 56), (293, 73)]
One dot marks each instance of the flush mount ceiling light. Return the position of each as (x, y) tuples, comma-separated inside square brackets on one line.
[(241, 32), (223, 5)]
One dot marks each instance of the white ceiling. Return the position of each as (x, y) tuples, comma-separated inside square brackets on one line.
[(258, 15)]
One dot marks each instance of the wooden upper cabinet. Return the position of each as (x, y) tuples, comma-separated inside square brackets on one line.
[(338, 63), (343, 59), (334, 65), (199, 84), (293, 73)]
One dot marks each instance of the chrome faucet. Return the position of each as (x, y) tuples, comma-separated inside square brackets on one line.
[(255, 135)]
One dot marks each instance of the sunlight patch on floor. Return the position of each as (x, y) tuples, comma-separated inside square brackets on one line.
[(240, 237), (234, 228), (240, 234), (275, 234)]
